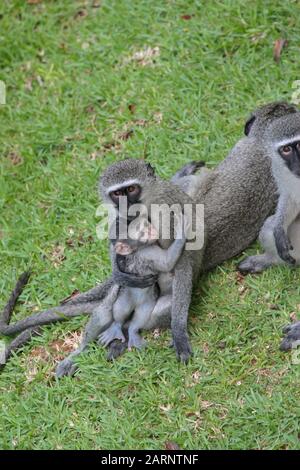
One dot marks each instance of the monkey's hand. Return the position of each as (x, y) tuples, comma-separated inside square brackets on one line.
[(182, 347), (133, 280), (283, 245)]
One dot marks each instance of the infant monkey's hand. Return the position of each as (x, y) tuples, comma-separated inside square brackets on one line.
[(122, 248), (142, 230)]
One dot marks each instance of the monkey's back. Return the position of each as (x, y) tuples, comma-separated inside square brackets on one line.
[(238, 196)]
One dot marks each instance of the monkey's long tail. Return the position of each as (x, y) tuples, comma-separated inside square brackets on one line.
[(82, 304), (55, 314), (18, 342), (9, 307)]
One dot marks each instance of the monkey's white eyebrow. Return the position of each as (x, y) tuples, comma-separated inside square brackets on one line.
[(288, 141), (115, 187)]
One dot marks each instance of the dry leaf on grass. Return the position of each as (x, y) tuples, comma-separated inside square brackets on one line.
[(293, 316), (239, 278), (50, 354), (71, 296), (80, 14), (186, 17), (132, 108), (279, 44), (144, 57), (15, 158), (170, 445), (57, 255)]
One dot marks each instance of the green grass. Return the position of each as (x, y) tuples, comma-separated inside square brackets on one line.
[(71, 86)]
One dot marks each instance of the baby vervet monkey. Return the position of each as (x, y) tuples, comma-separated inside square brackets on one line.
[(280, 234), (141, 255)]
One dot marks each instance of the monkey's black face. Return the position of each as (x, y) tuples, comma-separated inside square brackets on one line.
[(132, 192), (290, 153)]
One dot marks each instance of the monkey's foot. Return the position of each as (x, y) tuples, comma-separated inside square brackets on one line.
[(292, 337), (254, 264), (66, 367), (116, 349), (135, 341), (112, 333), (182, 347)]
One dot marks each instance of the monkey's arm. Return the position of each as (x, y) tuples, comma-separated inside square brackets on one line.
[(164, 260), (285, 214)]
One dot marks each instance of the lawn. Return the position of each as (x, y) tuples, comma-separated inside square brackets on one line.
[(89, 83)]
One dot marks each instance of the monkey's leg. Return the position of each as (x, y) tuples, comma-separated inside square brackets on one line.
[(121, 311), (140, 318), (159, 318), (292, 337), (161, 314), (100, 319), (258, 263)]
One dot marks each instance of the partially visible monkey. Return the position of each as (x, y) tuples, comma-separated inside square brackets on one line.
[(280, 234), (238, 196)]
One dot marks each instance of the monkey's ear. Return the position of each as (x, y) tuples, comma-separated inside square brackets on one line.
[(150, 170), (249, 124)]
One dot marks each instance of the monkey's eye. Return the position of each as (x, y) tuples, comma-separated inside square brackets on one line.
[(117, 193), (133, 189), (298, 146), (286, 150)]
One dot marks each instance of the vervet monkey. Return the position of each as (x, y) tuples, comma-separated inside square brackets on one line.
[(280, 234), (238, 196)]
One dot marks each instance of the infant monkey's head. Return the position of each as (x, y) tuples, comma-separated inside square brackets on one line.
[(140, 232)]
